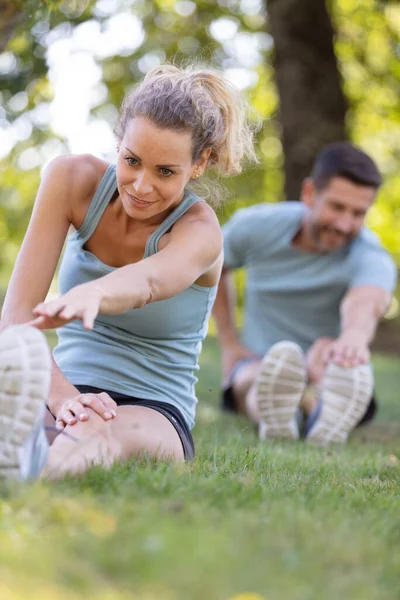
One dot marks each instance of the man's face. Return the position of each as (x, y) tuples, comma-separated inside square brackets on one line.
[(337, 212)]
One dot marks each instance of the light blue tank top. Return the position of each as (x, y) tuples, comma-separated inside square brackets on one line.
[(150, 352)]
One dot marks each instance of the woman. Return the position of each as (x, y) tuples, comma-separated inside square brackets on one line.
[(138, 280)]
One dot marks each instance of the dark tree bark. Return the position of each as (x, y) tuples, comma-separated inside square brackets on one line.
[(11, 16), (312, 104)]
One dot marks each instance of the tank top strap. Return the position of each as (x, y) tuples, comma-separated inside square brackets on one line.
[(152, 243), (99, 202)]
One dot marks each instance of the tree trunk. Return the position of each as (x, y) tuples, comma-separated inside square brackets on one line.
[(11, 16), (312, 104)]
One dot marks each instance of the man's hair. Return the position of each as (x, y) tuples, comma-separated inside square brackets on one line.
[(342, 159)]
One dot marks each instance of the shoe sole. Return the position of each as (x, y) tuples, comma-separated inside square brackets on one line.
[(280, 386), (25, 377), (345, 395)]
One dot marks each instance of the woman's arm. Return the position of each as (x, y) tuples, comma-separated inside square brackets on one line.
[(41, 248), (194, 248), (65, 178)]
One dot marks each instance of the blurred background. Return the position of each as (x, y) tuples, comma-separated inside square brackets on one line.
[(316, 72)]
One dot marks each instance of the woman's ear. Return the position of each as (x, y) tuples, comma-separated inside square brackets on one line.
[(201, 163)]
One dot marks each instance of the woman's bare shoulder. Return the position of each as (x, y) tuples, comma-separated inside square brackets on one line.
[(77, 174), (203, 212)]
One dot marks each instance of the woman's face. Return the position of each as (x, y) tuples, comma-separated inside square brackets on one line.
[(153, 167)]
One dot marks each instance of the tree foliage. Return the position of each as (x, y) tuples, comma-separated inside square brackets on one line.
[(231, 34)]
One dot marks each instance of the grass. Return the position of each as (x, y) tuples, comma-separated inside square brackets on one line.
[(244, 521)]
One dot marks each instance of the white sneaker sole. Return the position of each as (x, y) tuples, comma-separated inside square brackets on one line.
[(25, 377), (279, 389), (345, 394)]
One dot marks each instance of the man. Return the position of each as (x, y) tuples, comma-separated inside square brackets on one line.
[(317, 284)]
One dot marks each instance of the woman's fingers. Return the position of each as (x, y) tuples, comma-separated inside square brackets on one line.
[(63, 313), (48, 309), (95, 402), (89, 316), (39, 323), (75, 409), (72, 411), (68, 313), (109, 403), (60, 424)]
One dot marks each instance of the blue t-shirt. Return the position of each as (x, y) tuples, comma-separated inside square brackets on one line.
[(293, 294)]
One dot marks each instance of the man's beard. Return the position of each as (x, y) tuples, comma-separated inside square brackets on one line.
[(318, 230)]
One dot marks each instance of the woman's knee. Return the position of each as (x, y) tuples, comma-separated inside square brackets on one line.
[(146, 432), (80, 446), (86, 437)]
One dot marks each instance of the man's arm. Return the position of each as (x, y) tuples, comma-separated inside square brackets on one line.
[(360, 311), (224, 309), (362, 308), (224, 316)]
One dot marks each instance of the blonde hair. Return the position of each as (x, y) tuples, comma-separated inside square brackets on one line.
[(199, 100)]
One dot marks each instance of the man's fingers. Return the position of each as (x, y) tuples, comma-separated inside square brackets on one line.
[(350, 359), (326, 355)]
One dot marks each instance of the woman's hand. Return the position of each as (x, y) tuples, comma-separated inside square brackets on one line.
[(81, 302), (75, 409)]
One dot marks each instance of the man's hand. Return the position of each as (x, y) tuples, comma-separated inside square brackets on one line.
[(231, 354), (74, 409), (349, 350)]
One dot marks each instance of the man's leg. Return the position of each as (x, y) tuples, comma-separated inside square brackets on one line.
[(342, 396), (269, 391), (242, 384)]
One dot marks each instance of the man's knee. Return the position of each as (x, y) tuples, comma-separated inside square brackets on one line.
[(319, 346), (315, 359)]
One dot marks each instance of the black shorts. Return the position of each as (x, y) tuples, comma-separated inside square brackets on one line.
[(228, 404), (172, 413)]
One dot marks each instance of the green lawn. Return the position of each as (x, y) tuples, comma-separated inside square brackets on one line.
[(245, 520)]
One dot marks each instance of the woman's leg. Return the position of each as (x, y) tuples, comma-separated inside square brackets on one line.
[(50, 427), (136, 431), (25, 374)]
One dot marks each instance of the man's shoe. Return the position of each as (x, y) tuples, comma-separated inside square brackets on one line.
[(345, 396), (25, 377), (279, 389)]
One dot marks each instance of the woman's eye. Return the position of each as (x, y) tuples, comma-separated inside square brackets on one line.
[(166, 172), (131, 161)]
